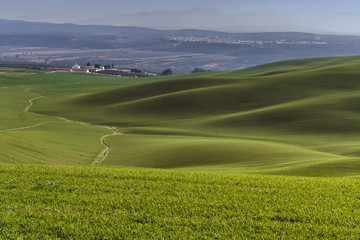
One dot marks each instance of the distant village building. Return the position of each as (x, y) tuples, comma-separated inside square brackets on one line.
[(126, 70), (76, 66)]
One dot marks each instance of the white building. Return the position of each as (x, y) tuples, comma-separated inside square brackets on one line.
[(76, 66)]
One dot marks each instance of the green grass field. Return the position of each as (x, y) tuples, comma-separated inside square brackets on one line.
[(268, 152), (101, 203)]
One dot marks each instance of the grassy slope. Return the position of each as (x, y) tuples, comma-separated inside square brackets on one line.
[(308, 107), (183, 151), (88, 203), (53, 143), (31, 138), (285, 118)]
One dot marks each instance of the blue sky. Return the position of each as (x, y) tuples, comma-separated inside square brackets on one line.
[(232, 15)]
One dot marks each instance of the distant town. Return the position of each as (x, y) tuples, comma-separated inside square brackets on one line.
[(229, 40)]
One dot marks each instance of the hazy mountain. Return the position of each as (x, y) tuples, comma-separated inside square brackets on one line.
[(24, 27), (200, 18), (206, 19), (35, 28)]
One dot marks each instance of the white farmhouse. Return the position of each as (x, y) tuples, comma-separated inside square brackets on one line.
[(76, 66)]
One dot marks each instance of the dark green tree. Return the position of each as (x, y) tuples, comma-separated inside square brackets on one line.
[(167, 72), (197, 70)]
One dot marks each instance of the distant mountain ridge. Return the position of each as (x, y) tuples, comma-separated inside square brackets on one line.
[(25, 27)]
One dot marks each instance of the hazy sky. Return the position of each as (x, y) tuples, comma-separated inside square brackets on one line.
[(325, 16)]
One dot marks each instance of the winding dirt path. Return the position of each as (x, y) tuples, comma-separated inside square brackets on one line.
[(103, 154), (31, 101), (101, 157), (27, 127)]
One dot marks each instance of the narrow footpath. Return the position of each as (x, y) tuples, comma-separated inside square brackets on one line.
[(103, 154), (27, 127), (31, 101), (101, 157)]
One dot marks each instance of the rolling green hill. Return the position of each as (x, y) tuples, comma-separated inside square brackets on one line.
[(213, 143), (297, 117), (275, 118)]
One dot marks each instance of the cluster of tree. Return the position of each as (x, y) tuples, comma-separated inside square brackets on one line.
[(121, 73), (167, 72), (98, 65), (197, 70), (134, 70)]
